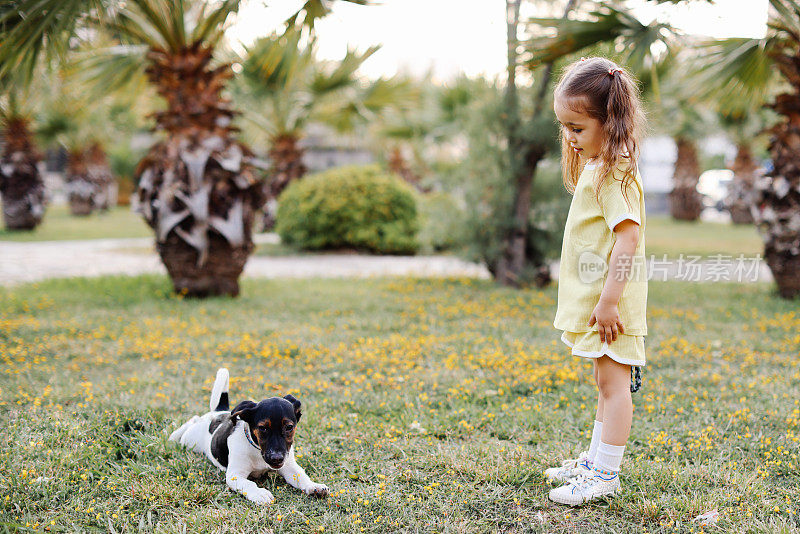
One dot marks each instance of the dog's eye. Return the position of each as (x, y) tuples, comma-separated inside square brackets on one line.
[(289, 428)]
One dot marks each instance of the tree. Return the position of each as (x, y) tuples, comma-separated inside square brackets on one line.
[(740, 112), (425, 136), (21, 185), (743, 66), (639, 44), (605, 24), (744, 131), (79, 122), (287, 88), (197, 188), (685, 121), (525, 150)]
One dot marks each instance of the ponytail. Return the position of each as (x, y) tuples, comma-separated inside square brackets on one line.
[(609, 94)]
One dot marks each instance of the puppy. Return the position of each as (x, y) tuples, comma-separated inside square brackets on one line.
[(251, 439)]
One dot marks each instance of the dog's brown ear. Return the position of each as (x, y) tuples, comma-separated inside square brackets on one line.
[(244, 410), (296, 403)]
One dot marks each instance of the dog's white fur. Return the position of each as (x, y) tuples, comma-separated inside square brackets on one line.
[(243, 459)]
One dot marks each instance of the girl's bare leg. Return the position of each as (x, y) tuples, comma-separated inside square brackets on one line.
[(599, 413), (613, 381)]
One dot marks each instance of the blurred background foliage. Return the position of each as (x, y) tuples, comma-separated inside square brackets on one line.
[(78, 78)]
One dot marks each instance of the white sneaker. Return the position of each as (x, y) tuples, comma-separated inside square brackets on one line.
[(568, 469), (586, 487)]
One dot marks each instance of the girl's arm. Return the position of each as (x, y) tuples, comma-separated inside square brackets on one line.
[(606, 314)]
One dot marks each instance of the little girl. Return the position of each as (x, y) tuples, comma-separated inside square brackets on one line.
[(602, 286)]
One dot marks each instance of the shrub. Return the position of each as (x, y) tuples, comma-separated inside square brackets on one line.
[(361, 207)]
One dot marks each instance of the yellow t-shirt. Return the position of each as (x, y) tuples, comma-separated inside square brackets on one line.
[(586, 249)]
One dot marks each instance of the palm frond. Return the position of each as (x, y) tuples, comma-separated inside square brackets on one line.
[(274, 61), (312, 11), (135, 28), (212, 25), (737, 73), (605, 24), (288, 87), (343, 75), (112, 68), (786, 17), (394, 92), (160, 19), (32, 27)]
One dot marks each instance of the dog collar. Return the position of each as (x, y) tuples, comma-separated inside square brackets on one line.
[(247, 434)]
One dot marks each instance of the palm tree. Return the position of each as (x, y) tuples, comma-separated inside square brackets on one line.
[(197, 187), (739, 112), (287, 88), (638, 41), (743, 66), (743, 129), (80, 123), (427, 134), (21, 185), (100, 174), (685, 124), (739, 67)]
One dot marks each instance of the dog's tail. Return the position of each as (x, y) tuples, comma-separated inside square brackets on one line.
[(219, 393)]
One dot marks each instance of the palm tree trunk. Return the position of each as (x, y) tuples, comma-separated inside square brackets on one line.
[(197, 188), (685, 203), (100, 175), (80, 188), (21, 184), (286, 156), (777, 195), (739, 201)]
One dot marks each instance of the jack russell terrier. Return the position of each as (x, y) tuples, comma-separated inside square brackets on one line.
[(251, 439)]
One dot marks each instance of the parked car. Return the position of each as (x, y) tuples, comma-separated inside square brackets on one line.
[(713, 185)]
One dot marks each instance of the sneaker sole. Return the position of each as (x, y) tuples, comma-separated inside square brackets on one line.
[(579, 501)]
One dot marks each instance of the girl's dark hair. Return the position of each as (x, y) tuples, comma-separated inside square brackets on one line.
[(606, 92)]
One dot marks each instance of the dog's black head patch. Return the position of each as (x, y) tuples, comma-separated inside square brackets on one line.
[(272, 423)]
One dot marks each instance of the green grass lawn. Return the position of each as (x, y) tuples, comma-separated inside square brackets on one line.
[(59, 225), (664, 235), (429, 406), (673, 238)]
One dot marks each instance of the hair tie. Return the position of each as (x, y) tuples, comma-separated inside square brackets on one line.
[(612, 72)]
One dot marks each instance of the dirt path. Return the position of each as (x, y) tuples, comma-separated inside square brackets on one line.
[(29, 262)]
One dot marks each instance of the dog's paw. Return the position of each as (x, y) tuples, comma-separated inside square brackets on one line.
[(261, 496), (316, 490)]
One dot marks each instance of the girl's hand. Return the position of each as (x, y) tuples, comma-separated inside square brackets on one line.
[(609, 324)]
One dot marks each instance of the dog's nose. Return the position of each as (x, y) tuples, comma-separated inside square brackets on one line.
[(275, 459)]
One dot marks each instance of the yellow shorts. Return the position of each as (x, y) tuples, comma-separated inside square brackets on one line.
[(627, 350)]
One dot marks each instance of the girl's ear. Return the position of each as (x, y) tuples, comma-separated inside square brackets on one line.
[(244, 411)]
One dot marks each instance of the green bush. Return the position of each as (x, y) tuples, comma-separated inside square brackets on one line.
[(358, 207)]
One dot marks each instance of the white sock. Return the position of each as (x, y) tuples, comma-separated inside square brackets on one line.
[(608, 458), (598, 429)]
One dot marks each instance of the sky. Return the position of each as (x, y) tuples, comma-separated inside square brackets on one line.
[(443, 38)]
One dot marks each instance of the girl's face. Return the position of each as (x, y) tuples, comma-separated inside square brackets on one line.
[(584, 133)]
